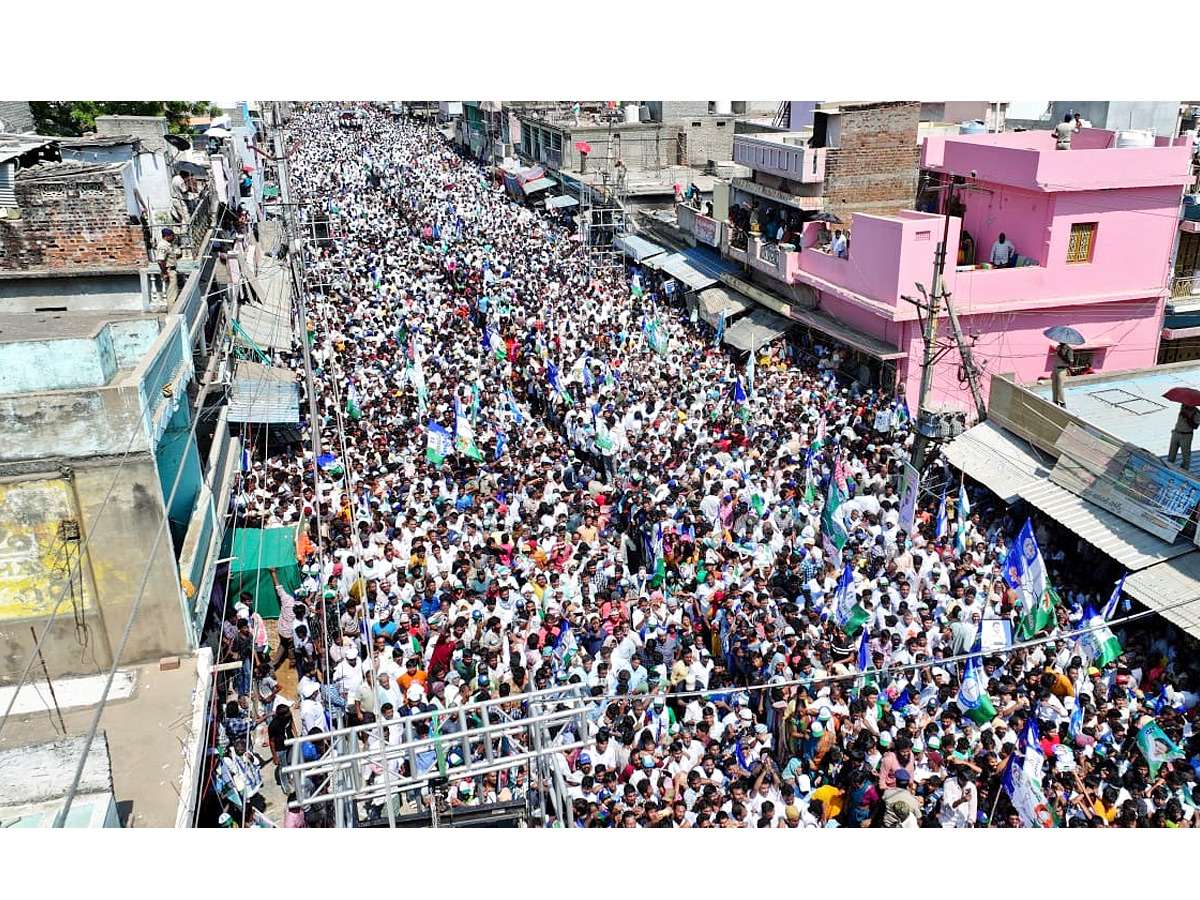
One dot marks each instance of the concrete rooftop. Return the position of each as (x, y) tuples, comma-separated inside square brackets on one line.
[(147, 720), (62, 326), (1130, 405)]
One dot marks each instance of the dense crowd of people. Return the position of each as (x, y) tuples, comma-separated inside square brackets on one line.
[(621, 503)]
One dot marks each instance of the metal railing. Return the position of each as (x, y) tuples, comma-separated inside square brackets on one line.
[(555, 721), (1185, 287)]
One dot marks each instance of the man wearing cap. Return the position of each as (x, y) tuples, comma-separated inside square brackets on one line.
[(166, 255), (900, 808)]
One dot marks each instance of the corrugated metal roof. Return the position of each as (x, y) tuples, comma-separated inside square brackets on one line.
[(269, 325), (998, 459), (1166, 586), (1012, 469), (708, 262), (264, 394), (677, 266), (1127, 544), (637, 247), (756, 330), (716, 298)]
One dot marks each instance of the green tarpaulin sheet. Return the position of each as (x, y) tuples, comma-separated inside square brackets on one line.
[(257, 550)]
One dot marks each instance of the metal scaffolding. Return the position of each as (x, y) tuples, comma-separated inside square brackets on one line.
[(425, 754)]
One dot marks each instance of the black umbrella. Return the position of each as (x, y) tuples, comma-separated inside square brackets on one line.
[(178, 141), (827, 217), (190, 168), (1065, 334)]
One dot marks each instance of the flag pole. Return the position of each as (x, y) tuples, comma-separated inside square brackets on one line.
[(996, 802)]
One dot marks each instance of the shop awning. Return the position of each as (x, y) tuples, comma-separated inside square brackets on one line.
[(756, 330), (538, 184), (269, 322), (265, 395), (1164, 588), (638, 247), (560, 202), (852, 337), (1013, 470), (678, 266), (708, 262), (717, 298)]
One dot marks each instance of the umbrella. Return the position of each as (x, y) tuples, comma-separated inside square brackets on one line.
[(827, 217), (220, 122), (217, 133), (178, 141), (1185, 395), (1063, 334), (190, 168), (583, 146)]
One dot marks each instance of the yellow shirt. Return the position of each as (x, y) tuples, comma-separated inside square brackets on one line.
[(831, 799)]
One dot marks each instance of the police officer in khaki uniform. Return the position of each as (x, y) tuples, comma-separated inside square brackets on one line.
[(166, 254)]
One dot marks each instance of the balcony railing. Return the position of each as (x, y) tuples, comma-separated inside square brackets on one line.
[(796, 162), (1185, 287)]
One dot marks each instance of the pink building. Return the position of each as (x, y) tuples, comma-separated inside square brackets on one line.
[(1092, 227)]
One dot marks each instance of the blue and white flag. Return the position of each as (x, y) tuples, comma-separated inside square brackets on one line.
[(943, 522), (565, 645), (864, 654), (513, 408), (501, 443), (738, 394), (247, 460), (964, 517), (555, 382), (441, 444), (720, 329), (1111, 606)]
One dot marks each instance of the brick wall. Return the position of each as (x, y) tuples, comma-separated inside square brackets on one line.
[(72, 222), (875, 168), (148, 129)]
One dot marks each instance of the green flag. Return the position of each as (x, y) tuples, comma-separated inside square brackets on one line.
[(833, 529), (1034, 620), (464, 438), (1098, 645), (353, 410), (1156, 747), (972, 694)]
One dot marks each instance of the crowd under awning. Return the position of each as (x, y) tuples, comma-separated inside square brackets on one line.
[(756, 330), (1166, 587), (538, 184), (1014, 470), (561, 202), (638, 248)]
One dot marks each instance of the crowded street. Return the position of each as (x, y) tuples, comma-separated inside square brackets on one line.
[(526, 475)]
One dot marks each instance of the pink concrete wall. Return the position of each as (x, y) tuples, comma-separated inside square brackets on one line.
[(888, 255), (1029, 159), (1014, 342), (1024, 216)]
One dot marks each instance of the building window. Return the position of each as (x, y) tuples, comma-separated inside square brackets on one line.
[(720, 123), (91, 189), (695, 124), (52, 192), (1083, 239)]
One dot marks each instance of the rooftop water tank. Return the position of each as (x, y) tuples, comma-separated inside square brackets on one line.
[(631, 114), (973, 127), (722, 107)]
